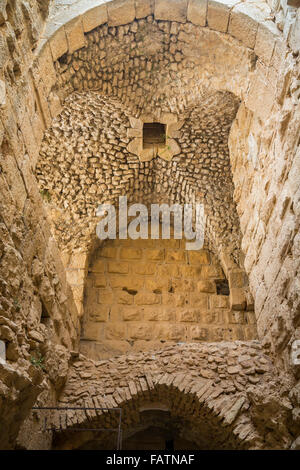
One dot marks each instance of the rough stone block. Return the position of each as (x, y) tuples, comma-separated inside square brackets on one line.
[(58, 43), (144, 268), (216, 317), (116, 267), (140, 331), (130, 253), (146, 298), (120, 12), (168, 299), (218, 14), (181, 300), (172, 270), (237, 279), (134, 133), (132, 314), (75, 35), (206, 286), (109, 252), (151, 314), (260, 99), (176, 332), (124, 298), (92, 331), (77, 260), (237, 299), (199, 333), (105, 296), (99, 313), (189, 315), (98, 266), (94, 18), (130, 282), (167, 314), (199, 257), (143, 8), (42, 94), (199, 300), (175, 256), (236, 316), (157, 284), (115, 331), (190, 271), (219, 301), (266, 37), (45, 69), (243, 23), (213, 271), (184, 285), (75, 276), (197, 11), (100, 281), (116, 313), (177, 12)]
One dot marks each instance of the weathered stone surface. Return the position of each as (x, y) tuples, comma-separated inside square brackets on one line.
[(159, 69), (75, 35), (2, 93), (143, 8), (178, 12), (218, 14), (120, 12), (94, 17), (243, 23), (196, 12)]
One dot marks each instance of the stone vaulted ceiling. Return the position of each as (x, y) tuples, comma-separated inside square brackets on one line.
[(146, 68)]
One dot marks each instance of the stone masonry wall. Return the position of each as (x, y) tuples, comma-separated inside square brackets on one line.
[(38, 317), (37, 309), (142, 293)]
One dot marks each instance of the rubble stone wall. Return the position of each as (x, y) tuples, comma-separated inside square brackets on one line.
[(262, 73)]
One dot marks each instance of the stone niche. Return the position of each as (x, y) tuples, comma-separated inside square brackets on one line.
[(147, 145), (140, 294)]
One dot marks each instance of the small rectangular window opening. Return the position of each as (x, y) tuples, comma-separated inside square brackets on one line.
[(222, 287), (154, 133)]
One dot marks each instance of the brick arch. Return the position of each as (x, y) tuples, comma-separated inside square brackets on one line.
[(208, 387)]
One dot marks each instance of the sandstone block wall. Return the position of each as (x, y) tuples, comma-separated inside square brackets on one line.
[(142, 293)]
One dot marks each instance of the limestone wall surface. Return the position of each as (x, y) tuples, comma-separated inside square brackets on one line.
[(140, 294), (38, 317), (264, 77)]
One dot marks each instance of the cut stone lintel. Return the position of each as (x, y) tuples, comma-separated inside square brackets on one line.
[(167, 151)]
